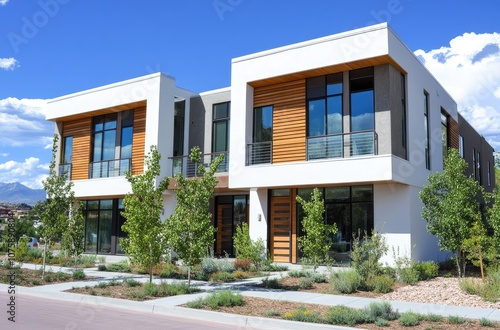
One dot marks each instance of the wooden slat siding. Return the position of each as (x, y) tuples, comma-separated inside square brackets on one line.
[(289, 118), (453, 133), (139, 140), (81, 130)]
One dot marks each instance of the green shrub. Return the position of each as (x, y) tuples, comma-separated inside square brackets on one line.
[(380, 284), (38, 253), (216, 299), (209, 265), (130, 282), (119, 267), (78, 274), (306, 283), (303, 314), (139, 295), (272, 312), (102, 285), (382, 310), (21, 251), (455, 319), (225, 265), (346, 281), (427, 270), (409, 319), (380, 322), (299, 273), (221, 276), (106, 293), (240, 275), (485, 322), (173, 289), (102, 268), (317, 277), (246, 248), (169, 271), (408, 275), (271, 283), (342, 315), (366, 254)]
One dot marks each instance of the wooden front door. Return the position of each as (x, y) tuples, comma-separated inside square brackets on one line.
[(281, 229), (224, 229)]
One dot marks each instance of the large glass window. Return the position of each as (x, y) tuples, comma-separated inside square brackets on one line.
[(362, 111), (112, 144), (403, 111), (444, 133), (261, 148), (103, 221), (426, 131), (350, 208), (324, 116), (220, 128)]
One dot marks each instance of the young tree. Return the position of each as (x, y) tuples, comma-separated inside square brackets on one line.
[(73, 236), (316, 241), (451, 206), (145, 242), (189, 229), (54, 211)]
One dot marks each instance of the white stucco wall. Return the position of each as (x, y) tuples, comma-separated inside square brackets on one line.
[(258, 220)]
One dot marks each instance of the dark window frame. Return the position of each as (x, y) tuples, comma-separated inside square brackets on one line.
[(218, 120)]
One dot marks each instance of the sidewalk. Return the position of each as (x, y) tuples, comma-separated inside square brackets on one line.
[(170, 305)]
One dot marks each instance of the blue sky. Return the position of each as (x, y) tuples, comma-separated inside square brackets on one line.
[(49, 48)]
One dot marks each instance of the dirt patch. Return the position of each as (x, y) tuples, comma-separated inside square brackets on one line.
[(30, 278)]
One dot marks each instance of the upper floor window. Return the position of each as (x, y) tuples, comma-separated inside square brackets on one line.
[(426, 132), (362, 100), (66, 157), (220, 127), (260, 151), (179, 111), (324, 116), (461, 146), (403, 111), (444, 133), (474, 163), (489, 174), (479, 176), (112, 144)]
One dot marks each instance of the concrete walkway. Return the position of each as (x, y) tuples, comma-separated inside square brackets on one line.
[(170, 305)]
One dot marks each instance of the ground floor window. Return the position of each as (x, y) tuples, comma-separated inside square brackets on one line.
[(350, 208), (103, 221), (230, 212)]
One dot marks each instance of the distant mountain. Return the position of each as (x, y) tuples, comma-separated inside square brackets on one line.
[(18, 193)]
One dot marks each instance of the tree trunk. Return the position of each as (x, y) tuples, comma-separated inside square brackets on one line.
[(481, 264), (44, 254), (459, 266)]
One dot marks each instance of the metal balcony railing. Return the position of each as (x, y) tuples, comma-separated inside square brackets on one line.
[(184, 165), (109, 168), (65, 170), (259, 153), (342, 145)]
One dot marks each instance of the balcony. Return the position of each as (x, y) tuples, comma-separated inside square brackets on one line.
[(184, 165), (259, 153), (65, 170), (342, 145), (109, 168)]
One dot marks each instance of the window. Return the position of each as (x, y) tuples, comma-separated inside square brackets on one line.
[(403, 111), (461, 146), (324, 116), (179, 110), (350, 208), (362, 111), (426, 131), (220, 127), (489, 174), (260, 150), (479, 176), (444, 133), (474, 163), (112, 144), (67, 156)]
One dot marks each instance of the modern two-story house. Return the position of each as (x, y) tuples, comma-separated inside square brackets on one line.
[(354, 114)]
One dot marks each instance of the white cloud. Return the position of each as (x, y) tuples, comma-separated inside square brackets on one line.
[(469, 70), (28, 107), (8, 63), (3, 2), (23, 123), (29, 172), (4, 154)]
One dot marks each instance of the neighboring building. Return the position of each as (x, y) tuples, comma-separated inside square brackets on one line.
[(354, 114)]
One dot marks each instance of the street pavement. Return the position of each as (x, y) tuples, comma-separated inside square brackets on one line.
[(72, 311)]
